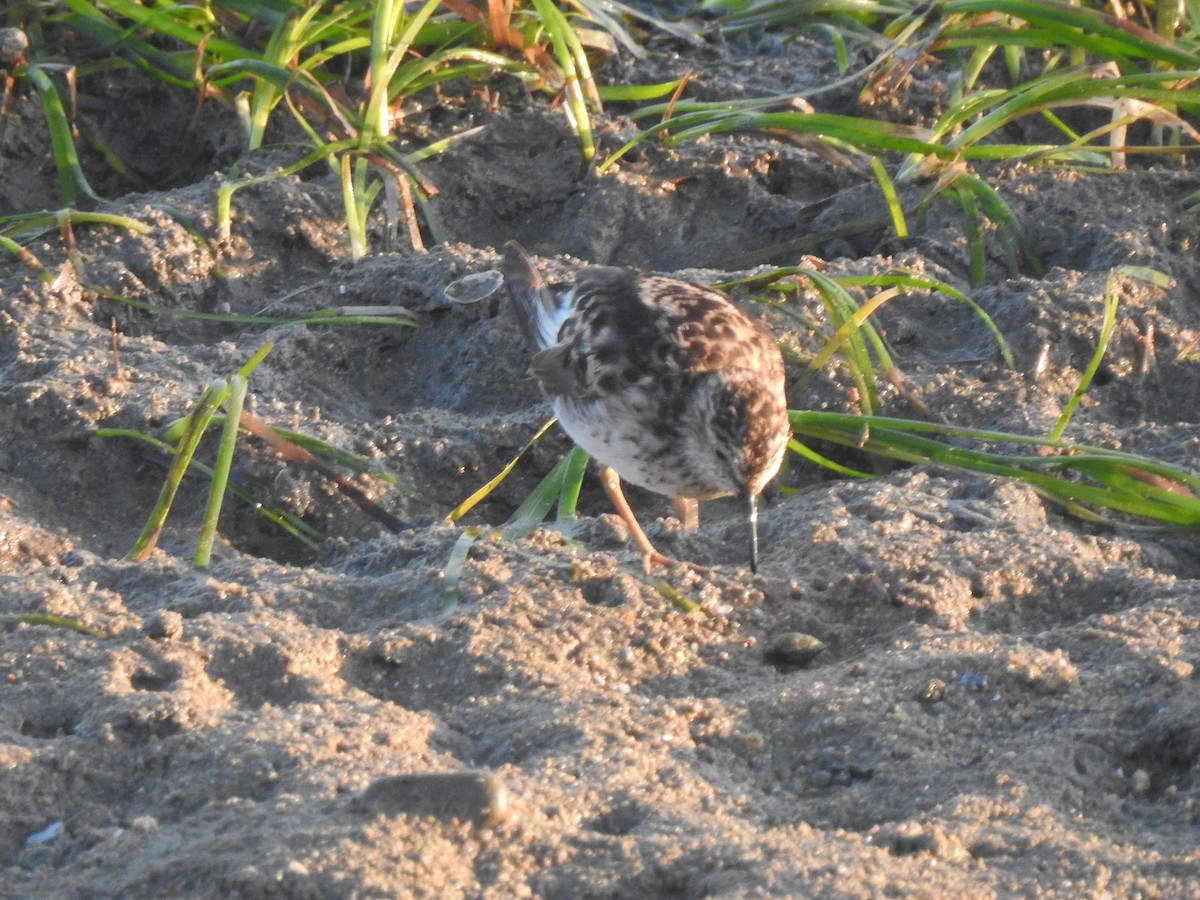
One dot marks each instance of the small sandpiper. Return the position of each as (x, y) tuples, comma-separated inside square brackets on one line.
[(666, 384)]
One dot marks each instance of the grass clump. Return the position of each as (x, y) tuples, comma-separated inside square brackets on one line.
[(1027, 61), (183, 442), (343, 74)]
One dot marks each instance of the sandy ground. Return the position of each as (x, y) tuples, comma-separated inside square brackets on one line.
[(1006, 701)]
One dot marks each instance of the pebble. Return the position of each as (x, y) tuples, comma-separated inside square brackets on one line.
[(795, 649), (165, 624), (479, 797), (47, 834), (1140, 781), (933, 691)]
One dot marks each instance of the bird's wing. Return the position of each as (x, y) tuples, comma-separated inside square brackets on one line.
[(552, 368)]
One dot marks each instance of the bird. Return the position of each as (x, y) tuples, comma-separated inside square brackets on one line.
[(666, 384)]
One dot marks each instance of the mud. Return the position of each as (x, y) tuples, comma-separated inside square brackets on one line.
[(1006, 702)]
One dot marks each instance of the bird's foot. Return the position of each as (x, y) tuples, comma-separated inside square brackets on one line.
[(653, 559)]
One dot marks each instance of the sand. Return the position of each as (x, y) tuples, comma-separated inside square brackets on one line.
[(1003, 698)]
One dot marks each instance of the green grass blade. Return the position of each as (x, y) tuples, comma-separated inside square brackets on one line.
[(532, 512), (614, 93), (600, 11), (679, 600), (973, 223), (561, 485), (97, 26), (848, 339), (806, 452), (1008, 226), (387, 52), (33, 225), (170, 22), (1108, 321), (899, 225), (693, 120), (30, 261), (572, 481), (334, 316), (196, 424), (353, 178), (220, 478), (11, 621), (574, 71), (315, 446), (252, 363), (229, 187), (1106, 328), (345, 458), (784, 279), (467, 505), (1119, 482), (62, 141), (453, 572), (932, 284), (291, 35), (283, 519), (1077, 26)]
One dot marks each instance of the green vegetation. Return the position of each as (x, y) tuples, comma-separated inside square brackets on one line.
[(183, 441), (340, 73), (1053, 57)]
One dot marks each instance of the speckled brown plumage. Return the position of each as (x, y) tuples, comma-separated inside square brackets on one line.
[(665, 382)]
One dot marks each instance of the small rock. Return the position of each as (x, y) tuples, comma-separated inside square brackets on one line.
[(166, 624), (1045, 671), (1140, 781), (933, 691), (478, 797), (794, 649), (47, 834)]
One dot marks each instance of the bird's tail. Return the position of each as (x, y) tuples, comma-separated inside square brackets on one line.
[(534, 304)]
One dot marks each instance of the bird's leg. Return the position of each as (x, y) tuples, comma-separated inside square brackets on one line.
[(612, 484), (688, 510)]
